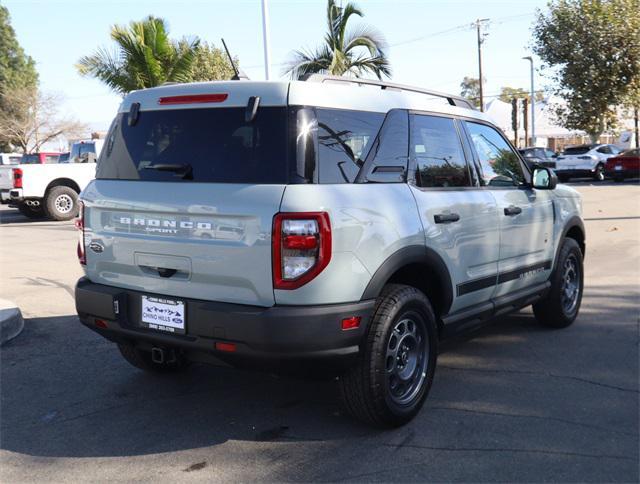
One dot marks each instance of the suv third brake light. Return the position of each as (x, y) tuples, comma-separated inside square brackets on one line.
[(301, 247)]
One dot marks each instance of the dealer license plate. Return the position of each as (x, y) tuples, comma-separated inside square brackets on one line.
[(163, 314)]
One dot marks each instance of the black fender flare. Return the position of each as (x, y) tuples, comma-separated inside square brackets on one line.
[(413, 254), (573, 222)]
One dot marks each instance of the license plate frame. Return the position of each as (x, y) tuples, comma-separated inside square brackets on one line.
[(618, 168), (163, 314)]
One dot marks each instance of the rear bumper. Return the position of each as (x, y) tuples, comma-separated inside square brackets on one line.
[(287, 332), (622, 173)]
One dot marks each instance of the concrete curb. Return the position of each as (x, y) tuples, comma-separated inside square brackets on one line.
[(11, 322)]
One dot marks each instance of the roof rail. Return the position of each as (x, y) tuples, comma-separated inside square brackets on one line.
[(453, 100)]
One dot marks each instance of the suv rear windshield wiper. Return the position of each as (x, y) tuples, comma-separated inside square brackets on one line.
[(186, 170)]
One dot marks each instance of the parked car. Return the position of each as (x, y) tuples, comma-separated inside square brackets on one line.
[(584, 161), (346, 223), (85, 150), (10, 158), (64, 157), (50, 189), (624, 165), (40, 158), (539, 156)]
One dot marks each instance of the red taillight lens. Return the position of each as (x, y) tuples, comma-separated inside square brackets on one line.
[(193, 99), (228, 347), (301, 247), (82, 255), (17, 178)]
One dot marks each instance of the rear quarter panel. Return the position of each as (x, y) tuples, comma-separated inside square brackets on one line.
[(369, 222)]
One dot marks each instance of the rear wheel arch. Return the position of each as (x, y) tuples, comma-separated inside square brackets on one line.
[(420, 267), (66, 182)]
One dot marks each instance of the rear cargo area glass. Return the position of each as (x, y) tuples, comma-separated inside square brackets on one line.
[(203, 145)]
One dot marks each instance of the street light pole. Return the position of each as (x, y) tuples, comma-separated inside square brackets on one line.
[(266, 39), (533, 104)]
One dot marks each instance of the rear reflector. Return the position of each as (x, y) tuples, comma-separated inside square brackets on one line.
[(101, 324), (193, 99), (228, 347), (351, 323)]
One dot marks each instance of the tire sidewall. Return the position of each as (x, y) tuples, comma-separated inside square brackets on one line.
[(413, 303), (569, 247), (50, 203)]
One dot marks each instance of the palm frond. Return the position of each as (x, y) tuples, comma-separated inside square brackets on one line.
[(305, 62), (368, 37)]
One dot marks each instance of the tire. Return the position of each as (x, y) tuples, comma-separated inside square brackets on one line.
[(31, 212), (556, 311), (61, 203), (599, 173), (371, 389), (142, 360)]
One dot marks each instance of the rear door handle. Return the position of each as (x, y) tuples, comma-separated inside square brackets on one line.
[(512, 210), (443, 218)]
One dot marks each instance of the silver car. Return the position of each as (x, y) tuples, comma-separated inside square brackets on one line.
[(584, 161)]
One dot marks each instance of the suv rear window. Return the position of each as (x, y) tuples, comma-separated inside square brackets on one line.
[(198, 145)]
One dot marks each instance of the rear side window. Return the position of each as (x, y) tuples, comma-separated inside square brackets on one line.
[(578, 150), (200, 145), (436, 148), (500, 164), (344, 139)]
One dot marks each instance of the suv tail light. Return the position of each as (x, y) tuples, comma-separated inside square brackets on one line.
[(82, 255), (17, 178), (301, 247)]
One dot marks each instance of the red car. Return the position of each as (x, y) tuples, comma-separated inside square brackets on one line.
[(624, 165)]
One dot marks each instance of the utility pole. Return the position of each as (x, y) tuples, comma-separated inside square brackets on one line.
[(533, 105), (266, 39), (481, 36)]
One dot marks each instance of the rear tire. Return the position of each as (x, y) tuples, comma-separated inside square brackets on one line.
[(31, 212), (561, 305), (599, 173), (61, 203), (142, 360), (392, 376)]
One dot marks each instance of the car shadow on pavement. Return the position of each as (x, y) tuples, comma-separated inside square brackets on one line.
[(66, 392)]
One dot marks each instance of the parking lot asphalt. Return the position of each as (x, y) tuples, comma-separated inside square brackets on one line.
[(512, 402)]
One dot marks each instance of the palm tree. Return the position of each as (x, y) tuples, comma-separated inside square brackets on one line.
[(354, 53), (144, 57)]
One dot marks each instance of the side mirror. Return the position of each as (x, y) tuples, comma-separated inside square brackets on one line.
[(544, 178)]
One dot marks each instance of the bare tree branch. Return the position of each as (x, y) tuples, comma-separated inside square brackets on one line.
[(36, 120)]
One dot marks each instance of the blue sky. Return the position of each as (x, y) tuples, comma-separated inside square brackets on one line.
[(431, 43)]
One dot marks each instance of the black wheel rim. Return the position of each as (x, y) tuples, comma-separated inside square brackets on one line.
[(407, 359), (570, 290)]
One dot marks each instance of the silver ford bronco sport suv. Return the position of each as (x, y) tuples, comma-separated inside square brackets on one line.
[(346, 223)]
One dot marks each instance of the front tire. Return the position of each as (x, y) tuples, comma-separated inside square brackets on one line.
[(61, 203), (142, 360), (390, 381), (561, 305), (31, 212)]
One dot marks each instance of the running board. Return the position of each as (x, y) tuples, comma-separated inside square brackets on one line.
[(475, 316)]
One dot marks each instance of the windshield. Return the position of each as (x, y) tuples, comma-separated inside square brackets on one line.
[(200, 145)]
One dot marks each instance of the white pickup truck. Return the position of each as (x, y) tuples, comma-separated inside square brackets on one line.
[(50, 190)]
